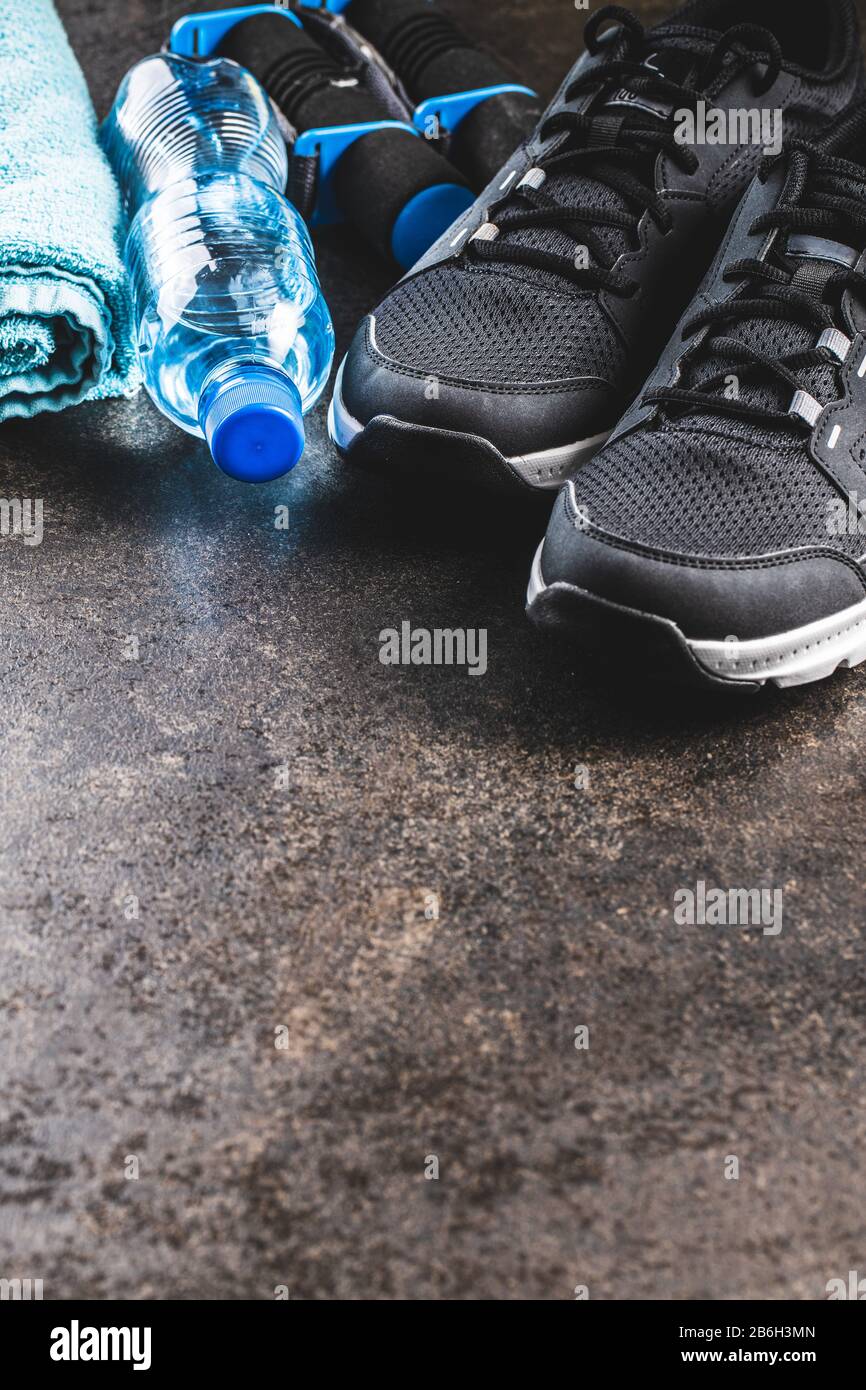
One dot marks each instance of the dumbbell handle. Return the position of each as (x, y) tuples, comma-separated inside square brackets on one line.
[(432, 58), (391, 184)]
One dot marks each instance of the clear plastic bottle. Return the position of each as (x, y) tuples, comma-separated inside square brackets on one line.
[(235, 337)]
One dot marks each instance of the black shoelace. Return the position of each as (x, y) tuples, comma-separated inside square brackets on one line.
[(811, 203), (618, 151)]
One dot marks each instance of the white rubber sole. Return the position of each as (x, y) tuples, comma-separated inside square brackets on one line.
[(804, 654), (546, 469)]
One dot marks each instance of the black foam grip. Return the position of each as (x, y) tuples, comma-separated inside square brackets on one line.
[(490, 134), (380, 173), (424, 47), (461, 70), (298, 74), (207, 6)]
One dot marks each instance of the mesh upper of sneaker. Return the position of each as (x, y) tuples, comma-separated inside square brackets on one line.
[(712, 487), (490, 327)]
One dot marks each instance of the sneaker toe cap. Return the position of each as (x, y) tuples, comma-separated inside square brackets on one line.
[(707, 598)]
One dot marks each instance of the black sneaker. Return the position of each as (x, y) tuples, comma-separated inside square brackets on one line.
[(510, 351), (721, 534)]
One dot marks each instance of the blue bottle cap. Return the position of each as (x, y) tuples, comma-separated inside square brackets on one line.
[(253, 424)]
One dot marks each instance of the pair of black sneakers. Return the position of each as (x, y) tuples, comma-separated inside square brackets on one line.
[(716, 530)]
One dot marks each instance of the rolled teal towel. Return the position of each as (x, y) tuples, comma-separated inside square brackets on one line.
[(65, 316)]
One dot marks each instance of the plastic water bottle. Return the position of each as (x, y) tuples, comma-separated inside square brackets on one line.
[(235, 338)]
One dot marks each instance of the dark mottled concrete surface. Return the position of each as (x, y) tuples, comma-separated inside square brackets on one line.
[(302, 905)]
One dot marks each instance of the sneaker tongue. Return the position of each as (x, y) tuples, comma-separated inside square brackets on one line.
[(676, 64)]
